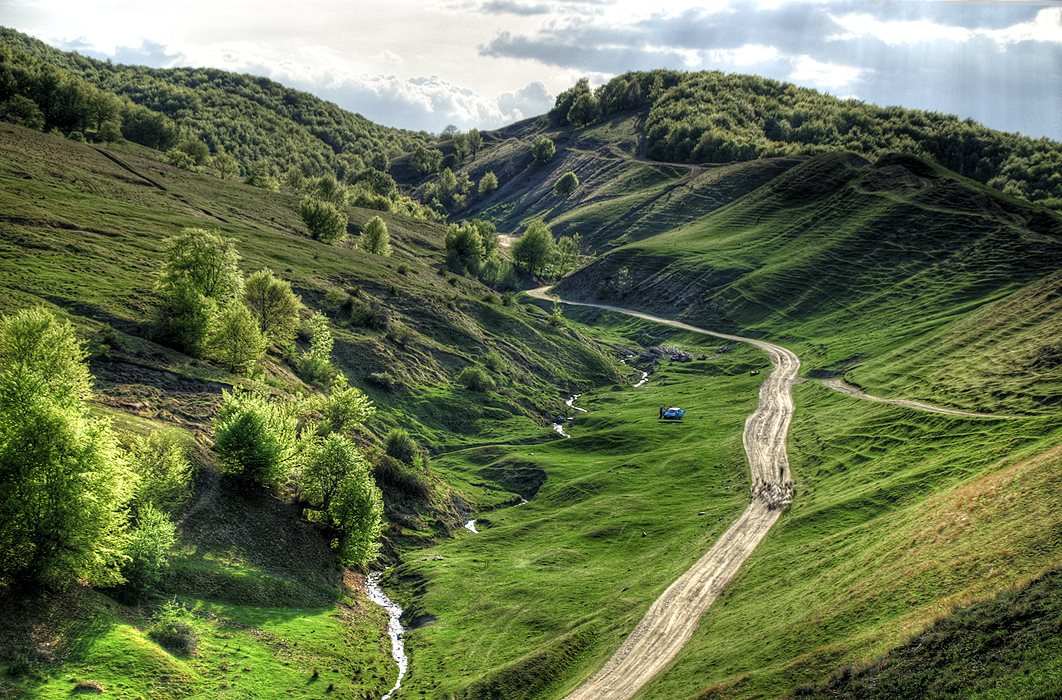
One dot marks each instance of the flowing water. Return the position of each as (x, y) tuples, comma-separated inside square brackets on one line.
[(394, 627)]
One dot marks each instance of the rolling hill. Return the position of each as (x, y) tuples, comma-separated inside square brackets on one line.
[(886, 269)]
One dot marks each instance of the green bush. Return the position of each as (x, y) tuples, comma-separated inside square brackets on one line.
[(175, 630), (475, 379), (161, 462), (255, 438), (323, 220), (400, 445), (147, 548)]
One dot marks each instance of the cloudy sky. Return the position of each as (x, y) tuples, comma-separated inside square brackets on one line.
[(423, 64)]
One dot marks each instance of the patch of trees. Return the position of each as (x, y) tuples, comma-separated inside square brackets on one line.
[(261, 125), (208, 310), (539, 253), (472, 248), (713, 117)]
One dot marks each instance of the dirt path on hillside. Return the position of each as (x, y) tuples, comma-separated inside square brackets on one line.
[(838, 384), (671, 620)]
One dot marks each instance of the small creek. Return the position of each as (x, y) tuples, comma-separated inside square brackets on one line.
[(394, 626)]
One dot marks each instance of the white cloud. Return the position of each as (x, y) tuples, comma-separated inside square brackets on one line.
[(824, 75), (895, 32), (1047, 27)]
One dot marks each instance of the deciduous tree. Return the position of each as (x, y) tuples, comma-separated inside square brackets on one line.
[(274, 306), (375, 239), (64, 484)]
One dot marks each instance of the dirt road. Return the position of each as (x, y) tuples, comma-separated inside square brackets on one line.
[(671, 620), (838, 385)]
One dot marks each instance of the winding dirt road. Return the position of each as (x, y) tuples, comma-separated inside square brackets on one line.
[(838, 384), (671, 620)]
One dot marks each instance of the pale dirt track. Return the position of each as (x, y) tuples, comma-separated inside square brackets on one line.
[(671, 620), (838, 385)]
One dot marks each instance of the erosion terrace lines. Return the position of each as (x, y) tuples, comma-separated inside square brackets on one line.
[(670, 621)]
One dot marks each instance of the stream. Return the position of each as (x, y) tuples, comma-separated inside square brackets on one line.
[(394, 626)]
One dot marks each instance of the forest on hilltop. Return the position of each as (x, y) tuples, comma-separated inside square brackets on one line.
[(713, 117), (266, 127)]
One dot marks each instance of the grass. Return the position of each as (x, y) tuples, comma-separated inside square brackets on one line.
[(324, 651), (883, 538), (941, 292), (615, 513)]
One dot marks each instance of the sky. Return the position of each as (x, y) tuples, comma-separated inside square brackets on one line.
[(424, 65)]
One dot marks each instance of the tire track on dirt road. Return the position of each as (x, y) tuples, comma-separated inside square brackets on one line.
[(671, 620)]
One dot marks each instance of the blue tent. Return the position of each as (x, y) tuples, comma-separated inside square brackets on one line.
[(674, 413)]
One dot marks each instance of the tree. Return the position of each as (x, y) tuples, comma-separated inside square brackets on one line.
[(567, 254), (400, 445), (255, 437), (236, 341), (488, 184), (375, 239), (206, 260), (341, 493), (565, 184), (464, 248), (473, 141), (345, 407), (274, 306), (328, 189), (225, 164), (426, 160), (584, 111), (542, 149), (294, 178), (475, 379), (200, 273), (375, 181), (323, 220), (109, 132), (316, 365), (535, 250), (64, 485), (566, 100), (147, 549)]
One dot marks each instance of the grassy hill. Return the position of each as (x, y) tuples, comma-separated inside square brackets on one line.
[(81, 229), (905, 278)]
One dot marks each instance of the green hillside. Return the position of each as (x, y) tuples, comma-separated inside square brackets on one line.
[(877, 265), (267, 127)]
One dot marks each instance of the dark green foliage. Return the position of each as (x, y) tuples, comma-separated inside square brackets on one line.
[(400, 445), (174, 629), (323, 220), (375, 181), (255, 437), (561, 113), (566, 184), (543, 149), (427, 160), (535, 250), (475, 379), (19, 109), (254, 119), (715, 117)]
